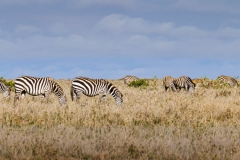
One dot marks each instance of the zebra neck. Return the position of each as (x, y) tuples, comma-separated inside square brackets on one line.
[(56, 89)]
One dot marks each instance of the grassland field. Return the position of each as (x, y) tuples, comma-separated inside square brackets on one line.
[(151, 124)]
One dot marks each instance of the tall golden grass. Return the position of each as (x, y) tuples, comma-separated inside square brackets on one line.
[(151, 124)]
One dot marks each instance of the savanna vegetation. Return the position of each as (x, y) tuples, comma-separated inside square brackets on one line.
[(151, 124)]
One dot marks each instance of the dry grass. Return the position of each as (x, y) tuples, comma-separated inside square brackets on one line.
[(151, 124)]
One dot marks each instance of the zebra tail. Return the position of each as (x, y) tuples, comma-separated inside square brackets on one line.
[(71, 92)]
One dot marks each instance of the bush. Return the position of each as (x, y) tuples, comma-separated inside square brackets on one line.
[(139, 83)]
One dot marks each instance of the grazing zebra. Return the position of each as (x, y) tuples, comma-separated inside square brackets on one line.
[(92, 87), (128, 79), (168, 83), (38, 86), (184, 82), (5, 89), (229, 80)]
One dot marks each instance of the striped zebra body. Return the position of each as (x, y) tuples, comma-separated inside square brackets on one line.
[(168, 83), (128, 79), (92, 87), (38, 86), (184, 82), (5, 89), (229, 80)]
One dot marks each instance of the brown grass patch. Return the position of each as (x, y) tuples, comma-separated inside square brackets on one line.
[(151, 124)]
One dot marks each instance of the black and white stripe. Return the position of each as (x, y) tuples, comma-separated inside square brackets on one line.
[(38, 86), (128, 79), (92, 87), (184, 82), (5, 89), (229, 80), (168, 83)]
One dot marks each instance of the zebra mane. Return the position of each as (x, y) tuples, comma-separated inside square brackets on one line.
[(110, 85), (30, 77), (82, 77), (37, 77), (56, 84)]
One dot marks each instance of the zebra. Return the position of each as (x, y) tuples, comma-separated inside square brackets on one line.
[(184, 82), (128, 79), (92, 87), (229, 80), (168, 82), (38, 86), (5, 89)]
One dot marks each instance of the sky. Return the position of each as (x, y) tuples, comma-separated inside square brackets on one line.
[(114, 38)]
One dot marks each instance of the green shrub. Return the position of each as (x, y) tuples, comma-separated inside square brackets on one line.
[(139, 83)]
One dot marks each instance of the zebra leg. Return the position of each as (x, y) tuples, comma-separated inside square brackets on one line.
[(186, 87), (42, 98), (77, 96), (102, 95), (177, 88), (16, 98), (46, 95), (23, 95), (166, 88), (173, 88)]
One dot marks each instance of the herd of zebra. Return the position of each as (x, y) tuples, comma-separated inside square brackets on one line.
[(44, 86), (186, 82), (91, 87)]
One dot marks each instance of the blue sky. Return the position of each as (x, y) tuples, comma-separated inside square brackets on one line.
[(113, 38)]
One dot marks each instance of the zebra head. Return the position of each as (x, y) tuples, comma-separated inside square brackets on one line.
[(6, 93), (192, 87), (118, 98), (63, 100)]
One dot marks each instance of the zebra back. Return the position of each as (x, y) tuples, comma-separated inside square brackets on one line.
[(128, 79), (227, 79), (5, 89)]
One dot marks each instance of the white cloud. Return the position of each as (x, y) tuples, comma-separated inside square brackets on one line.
[(26, 29), (121, 24), (59, 28), (118, 24)]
